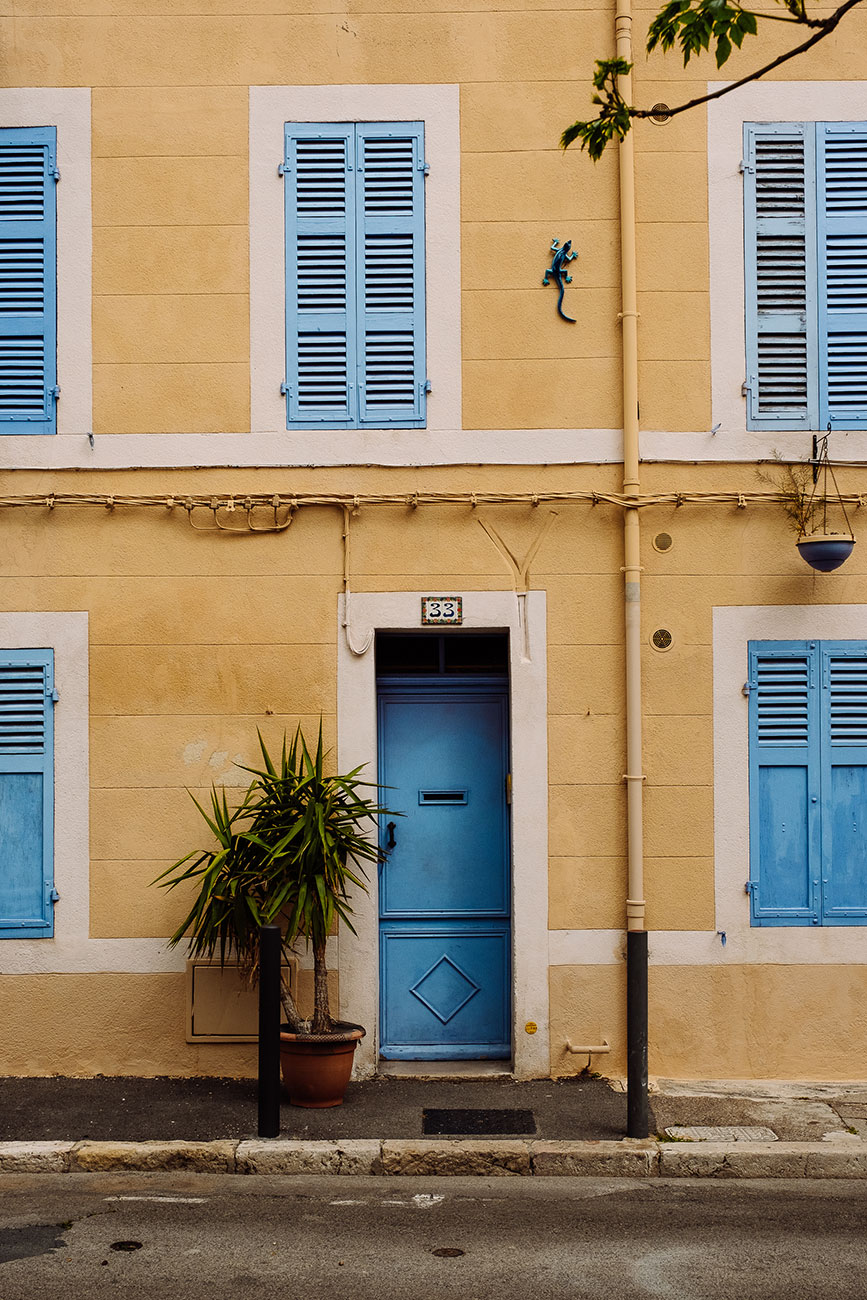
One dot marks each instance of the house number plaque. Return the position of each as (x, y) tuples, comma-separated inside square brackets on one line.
[(436, 610)]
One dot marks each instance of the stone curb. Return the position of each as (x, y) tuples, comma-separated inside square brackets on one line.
[(278, 1156), (195, 1157), (460, 1156), (455, 1157)]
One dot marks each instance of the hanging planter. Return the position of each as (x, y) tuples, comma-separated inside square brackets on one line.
[(823, 548), (826, 551)]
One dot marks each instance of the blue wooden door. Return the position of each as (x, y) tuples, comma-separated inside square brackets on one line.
[(445, 889)]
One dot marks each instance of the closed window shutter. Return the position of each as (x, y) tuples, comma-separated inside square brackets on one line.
[(844, 783), (320, 179), (26, 793), (841, 164), (780, 268), (784, 783), (28, 280), (390, 287)]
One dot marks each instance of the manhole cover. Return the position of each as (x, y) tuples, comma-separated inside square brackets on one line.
[(723, 1133), (477, 1123)]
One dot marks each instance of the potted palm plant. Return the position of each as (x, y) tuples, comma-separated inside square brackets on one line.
[(289, 853)]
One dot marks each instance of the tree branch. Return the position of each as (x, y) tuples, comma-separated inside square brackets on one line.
[(693, 28), (827, 26)]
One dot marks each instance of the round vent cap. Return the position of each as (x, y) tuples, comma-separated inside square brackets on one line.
[(662, 639), (663, 542)]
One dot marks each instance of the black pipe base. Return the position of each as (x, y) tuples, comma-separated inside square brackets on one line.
[(270, 952), (637, 1109)]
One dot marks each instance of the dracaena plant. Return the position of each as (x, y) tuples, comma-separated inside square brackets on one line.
[(289, 853)]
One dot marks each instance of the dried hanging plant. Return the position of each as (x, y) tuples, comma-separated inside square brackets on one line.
[(794, 482)]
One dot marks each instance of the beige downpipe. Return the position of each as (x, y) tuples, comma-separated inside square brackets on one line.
[(636, 936)]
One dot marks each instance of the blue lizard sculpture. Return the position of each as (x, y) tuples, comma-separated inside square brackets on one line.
[(557, 269)]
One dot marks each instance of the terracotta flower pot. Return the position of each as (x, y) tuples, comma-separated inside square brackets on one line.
[(316, 1067)]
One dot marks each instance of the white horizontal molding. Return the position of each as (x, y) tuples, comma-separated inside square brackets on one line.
[(75, 954), (743, 947), (410, 448), (316, 448), (744, 447), (406, 448)]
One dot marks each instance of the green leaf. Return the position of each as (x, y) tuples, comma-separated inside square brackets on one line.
[(289, 852)]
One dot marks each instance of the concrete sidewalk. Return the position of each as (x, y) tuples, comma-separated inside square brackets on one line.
[(488, 1126)]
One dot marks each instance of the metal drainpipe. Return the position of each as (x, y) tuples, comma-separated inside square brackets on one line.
[(636, 934)]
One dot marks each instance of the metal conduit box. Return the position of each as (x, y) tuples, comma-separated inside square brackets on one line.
[(221, 1007)]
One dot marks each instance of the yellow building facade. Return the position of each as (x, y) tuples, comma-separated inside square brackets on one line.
[(200, 565)]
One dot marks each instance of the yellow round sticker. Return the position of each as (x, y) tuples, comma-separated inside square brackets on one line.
[(531, 1026)]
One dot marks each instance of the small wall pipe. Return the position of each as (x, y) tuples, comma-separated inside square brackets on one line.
[(588, 1051), (365, 645)]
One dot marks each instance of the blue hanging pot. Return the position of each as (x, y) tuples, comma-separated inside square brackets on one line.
[(825, 552)]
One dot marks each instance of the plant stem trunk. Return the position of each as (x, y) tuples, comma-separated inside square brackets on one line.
[(322, 1022), (290, 1011)]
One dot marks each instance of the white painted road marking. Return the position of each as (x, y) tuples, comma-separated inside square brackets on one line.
[(166, 1200), (421, 1201)]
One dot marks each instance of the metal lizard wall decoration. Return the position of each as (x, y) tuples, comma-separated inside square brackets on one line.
[(557, 269)]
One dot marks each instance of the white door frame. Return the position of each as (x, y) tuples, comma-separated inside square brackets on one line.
[(358, 960)]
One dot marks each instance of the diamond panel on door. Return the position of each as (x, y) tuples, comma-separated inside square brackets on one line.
[(445, 982)]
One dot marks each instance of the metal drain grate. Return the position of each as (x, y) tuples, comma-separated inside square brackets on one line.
[(476, 1123)]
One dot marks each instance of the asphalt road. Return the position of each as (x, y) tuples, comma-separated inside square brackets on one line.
[(210, 1237)]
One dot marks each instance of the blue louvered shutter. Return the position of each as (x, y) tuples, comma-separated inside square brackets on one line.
[(390, 286), (785, 826), (841, 164), (26, 794), (321, 270), (844, 783), (28, 280), (780, 275)]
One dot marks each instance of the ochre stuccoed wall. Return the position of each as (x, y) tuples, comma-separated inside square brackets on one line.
[(170, 195), (196, 640)]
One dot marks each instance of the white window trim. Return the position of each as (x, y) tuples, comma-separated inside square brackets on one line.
[(733, 628), (66, 635), (71, 950), (357, 737), (769, 101), (69, 111), (270, 108)]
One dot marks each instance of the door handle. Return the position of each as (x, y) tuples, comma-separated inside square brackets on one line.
[(391, 841)]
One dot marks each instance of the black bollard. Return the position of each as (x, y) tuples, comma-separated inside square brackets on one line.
[(637, 1109), (270, 952)]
